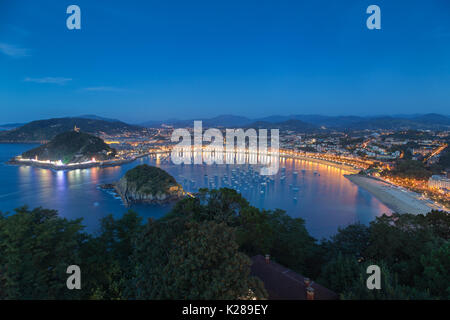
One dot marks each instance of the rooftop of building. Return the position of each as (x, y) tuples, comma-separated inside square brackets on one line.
[(282, 283)]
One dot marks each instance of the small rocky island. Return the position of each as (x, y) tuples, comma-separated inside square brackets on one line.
[(147, 184)]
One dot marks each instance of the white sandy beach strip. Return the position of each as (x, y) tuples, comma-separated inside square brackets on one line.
[(397, 199)]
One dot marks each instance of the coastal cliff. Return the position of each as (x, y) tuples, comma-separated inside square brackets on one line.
[(147, 184)]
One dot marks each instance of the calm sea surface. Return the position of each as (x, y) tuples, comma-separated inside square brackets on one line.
[(318, 193)]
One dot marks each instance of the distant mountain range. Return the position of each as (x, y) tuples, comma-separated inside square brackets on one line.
[(10, 126), (219, 121), (95, 117), (46, 129), (291, 125), (319, 122), (40, 130)]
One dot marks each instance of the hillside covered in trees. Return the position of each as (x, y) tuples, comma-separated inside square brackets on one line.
[(201, 250), (45, 130), (72, 147), (148, 184), (149, 179)]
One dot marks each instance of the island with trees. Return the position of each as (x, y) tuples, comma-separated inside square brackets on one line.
[(71, 150), (147, 184)]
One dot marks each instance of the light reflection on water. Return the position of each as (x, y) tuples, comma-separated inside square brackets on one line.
[(325, 200)]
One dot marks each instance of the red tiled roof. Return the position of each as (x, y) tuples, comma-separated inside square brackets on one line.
[(282, 283)]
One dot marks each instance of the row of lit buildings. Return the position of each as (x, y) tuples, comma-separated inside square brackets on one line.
[(439, 182)]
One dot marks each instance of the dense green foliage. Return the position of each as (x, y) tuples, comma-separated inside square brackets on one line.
[(257, 231), (444, 159), (413, 252), (411, 135), (149, 180), (66, 146), (173, 258), (410, 169), (36, 247), (181, 259), (201, 250)]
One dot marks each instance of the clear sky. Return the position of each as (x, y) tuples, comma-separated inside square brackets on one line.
[(152, 60)]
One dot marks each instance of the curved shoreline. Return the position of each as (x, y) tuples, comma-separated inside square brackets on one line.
[(110, 163), (341, 166), (397, 199), (345, 167)]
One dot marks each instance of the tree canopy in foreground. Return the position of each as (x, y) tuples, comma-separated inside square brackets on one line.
[(201, 250)]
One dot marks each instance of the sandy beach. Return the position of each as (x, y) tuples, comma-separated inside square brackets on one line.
[(397, 199)]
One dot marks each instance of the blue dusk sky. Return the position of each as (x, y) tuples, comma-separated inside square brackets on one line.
[(153, 60)]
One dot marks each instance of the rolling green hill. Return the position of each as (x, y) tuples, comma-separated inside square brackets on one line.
[(45, 130), (147, 184), (149, 180), (72, 147)]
